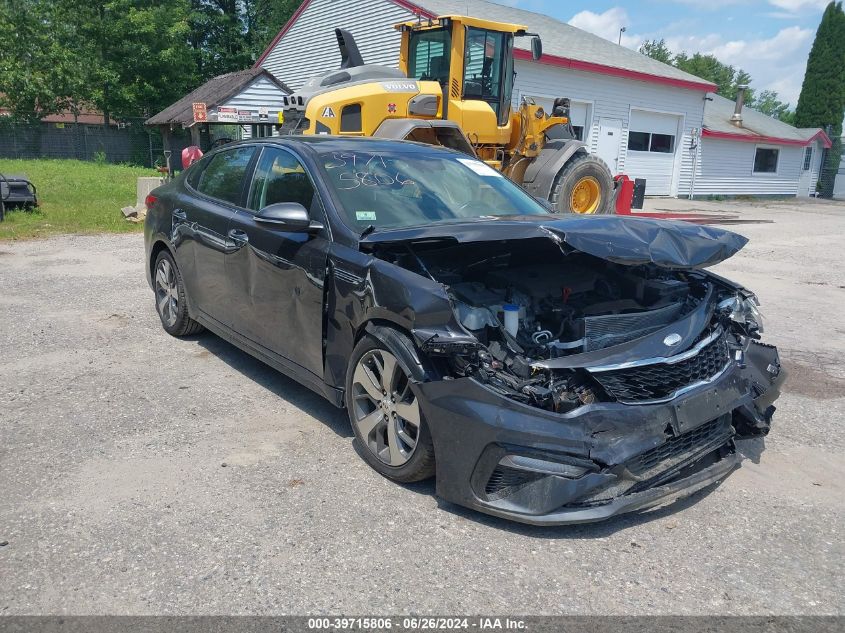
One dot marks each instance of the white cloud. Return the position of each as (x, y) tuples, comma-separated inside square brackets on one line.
[(607, 25), (799, 6), (775, 63)]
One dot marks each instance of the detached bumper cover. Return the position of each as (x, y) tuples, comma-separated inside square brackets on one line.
[(535, 466)]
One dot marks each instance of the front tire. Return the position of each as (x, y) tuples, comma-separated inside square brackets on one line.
[(385, 413), (584, 185), (171, 299)]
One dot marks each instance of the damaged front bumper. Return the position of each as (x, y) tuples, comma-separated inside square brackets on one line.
[(602, 459)]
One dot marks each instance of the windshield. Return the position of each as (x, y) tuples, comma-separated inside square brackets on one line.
[(398, 189)]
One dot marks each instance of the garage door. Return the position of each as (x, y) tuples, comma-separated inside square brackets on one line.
[(652, 143)]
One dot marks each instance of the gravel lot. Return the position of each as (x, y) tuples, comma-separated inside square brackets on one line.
[(140, 474)]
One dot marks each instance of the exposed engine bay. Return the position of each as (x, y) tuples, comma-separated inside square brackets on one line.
[(537, 312)]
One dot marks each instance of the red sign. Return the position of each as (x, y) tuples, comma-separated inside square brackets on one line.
[(200, 113)]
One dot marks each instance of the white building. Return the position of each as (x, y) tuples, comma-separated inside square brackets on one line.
[(643, 117), (757, 155)]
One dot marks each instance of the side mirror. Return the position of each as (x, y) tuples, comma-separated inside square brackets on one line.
[(536, 48), (289, 216)]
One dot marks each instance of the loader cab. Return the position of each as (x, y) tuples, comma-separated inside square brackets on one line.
[(472, 60)]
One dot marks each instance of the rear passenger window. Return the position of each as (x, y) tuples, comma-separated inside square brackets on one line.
[(280, 177), (224, 176)]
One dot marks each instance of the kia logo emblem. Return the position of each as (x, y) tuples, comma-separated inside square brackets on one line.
[(672, 340)]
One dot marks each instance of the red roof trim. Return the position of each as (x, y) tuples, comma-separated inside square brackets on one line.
[(413, 8), (576, 64), (824, 138), (281, 33), (774, 140)]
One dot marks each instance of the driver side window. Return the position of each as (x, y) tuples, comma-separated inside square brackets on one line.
[(280, 177)]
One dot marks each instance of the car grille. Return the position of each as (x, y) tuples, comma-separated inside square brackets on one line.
[(662, 380), (677, 449), (504, 481), (662, 464)]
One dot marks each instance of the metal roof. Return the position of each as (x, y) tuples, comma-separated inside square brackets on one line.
[(213, 92), (756, 126), (564, 42)]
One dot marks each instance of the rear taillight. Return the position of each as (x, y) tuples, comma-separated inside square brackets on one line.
[(149, 201)]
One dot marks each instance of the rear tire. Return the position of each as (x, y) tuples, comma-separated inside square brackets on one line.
[(584, 185), (385, 412), (171, 298)]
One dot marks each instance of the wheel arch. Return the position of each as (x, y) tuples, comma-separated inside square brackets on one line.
[(399, 341), (158, 245)]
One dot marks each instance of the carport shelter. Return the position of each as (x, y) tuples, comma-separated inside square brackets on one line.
[(250, 97)]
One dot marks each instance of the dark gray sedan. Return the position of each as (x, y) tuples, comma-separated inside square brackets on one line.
[(545, 368)]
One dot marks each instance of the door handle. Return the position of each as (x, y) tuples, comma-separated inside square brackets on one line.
[(179, 214), (238, 235)]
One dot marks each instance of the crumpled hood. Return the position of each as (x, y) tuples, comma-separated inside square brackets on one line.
[(619, 239)]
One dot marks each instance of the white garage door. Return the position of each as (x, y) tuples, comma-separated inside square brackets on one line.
[(652, 144)]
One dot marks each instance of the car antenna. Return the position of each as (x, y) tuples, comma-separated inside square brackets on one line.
[(367, 231)]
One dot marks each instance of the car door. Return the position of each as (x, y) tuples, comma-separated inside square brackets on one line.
[(201, 219), (277, 275)]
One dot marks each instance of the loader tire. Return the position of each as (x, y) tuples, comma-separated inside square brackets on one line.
[(584, 185)]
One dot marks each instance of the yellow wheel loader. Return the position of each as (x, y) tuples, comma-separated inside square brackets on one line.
[(454, 88)]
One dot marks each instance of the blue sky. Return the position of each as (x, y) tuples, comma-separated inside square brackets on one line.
[(770, 39)]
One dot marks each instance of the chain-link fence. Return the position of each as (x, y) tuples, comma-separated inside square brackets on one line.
[(125, 142)]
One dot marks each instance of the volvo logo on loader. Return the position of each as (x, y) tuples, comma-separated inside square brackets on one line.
[(400, 86)]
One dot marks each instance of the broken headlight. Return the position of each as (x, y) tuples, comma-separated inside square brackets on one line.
[(743, 310)]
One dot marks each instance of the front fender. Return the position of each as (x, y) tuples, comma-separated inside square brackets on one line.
[(540, 174)]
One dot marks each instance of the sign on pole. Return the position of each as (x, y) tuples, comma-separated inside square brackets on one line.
[(200, 113), (227, 115)]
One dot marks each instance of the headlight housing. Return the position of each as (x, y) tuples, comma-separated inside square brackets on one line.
[(744, 310)]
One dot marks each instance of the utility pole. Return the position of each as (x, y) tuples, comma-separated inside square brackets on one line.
[(621, 31)]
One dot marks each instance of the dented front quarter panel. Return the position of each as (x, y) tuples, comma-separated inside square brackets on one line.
[(369, 290)]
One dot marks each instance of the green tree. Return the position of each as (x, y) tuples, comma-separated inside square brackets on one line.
[(822, 99), (136, 54), (768, 103), (229, 35), (726, 77), (38, 75), (657, 49)]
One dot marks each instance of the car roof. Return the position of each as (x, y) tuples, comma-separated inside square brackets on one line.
[(321, 143)]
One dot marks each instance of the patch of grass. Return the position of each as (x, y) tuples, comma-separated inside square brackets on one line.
[(75, 197)]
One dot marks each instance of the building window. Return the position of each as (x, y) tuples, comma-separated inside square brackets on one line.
[(808, 158), (651, 142), (638, 141), (662, 143), (766, 160), (579, 132)]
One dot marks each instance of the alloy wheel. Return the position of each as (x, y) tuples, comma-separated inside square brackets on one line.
[(385, 410), (167, 292)]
